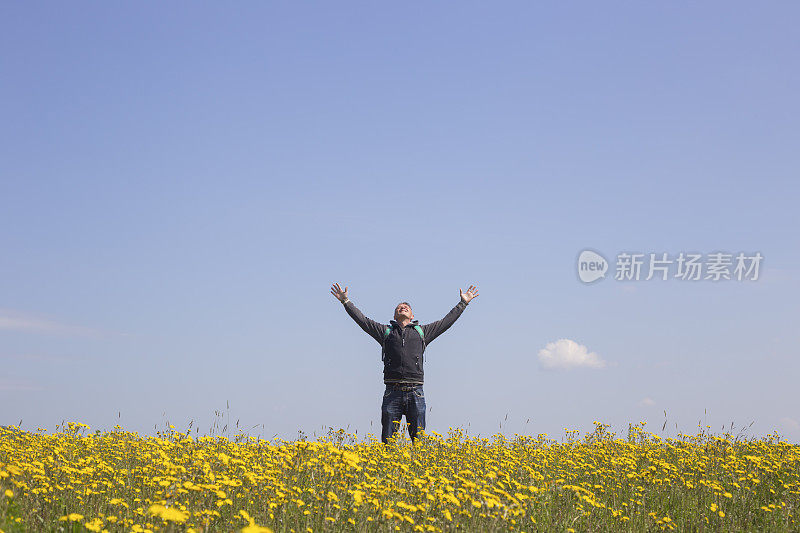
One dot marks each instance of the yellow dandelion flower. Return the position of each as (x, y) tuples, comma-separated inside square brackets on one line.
[(252, 528), (170, 514)]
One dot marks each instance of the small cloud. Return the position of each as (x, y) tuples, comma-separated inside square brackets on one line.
[(43, 358), (566, 354), (16, 321), (647, 402)]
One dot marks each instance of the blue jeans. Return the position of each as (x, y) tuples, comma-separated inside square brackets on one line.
[(406, 400)]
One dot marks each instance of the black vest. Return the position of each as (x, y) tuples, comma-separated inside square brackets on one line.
[(403, 349)]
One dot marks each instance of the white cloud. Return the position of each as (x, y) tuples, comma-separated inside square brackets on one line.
[(43, 357), (16, 321), (565, 353), (647, 402)]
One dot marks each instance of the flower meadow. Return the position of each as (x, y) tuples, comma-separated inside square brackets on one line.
[(75, 480)]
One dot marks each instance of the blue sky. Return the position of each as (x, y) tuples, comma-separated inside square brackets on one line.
[(180, 185)]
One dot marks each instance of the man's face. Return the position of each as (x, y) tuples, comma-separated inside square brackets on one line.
[(402, 311)]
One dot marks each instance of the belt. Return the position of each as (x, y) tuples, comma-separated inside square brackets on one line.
[(403, 386)]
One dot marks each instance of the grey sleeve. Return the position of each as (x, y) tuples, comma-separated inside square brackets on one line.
[(434, 329), (373, 329)]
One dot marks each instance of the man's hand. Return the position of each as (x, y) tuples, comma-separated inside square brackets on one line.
[(471, 293), (340, 294)]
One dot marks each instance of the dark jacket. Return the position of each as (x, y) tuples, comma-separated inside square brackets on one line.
[(403, 356)]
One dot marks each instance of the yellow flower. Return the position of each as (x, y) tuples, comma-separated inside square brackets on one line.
[(452, 499), (72, 517), (169, 514), (252, 528), (96, 525)]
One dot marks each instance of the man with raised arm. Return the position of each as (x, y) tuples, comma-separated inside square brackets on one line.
[(403, 342)]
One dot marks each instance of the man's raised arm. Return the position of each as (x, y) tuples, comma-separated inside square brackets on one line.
[(434, 329), (374, 329)]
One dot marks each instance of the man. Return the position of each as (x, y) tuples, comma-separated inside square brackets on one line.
[(404, 341)]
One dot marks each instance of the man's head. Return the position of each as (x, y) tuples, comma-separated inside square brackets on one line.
[(403, 311)]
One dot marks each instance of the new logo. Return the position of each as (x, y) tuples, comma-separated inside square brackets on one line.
[(591, 266)]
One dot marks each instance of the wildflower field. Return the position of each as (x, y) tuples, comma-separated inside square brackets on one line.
[(75, 480)]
